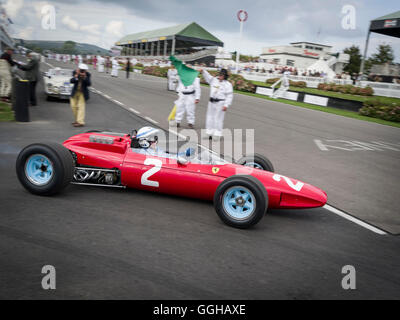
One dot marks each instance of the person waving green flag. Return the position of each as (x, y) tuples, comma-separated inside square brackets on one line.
[(186, 74)]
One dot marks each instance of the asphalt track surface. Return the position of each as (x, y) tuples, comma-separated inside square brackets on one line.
[(127, 244)]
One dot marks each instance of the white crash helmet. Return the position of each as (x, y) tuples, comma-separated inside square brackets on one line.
[(83, 66), (146, 136)]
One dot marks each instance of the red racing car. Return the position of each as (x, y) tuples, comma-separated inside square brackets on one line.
[(242, 192)]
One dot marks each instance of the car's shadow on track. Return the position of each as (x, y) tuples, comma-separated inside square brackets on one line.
[(57, 100), (183, 210)]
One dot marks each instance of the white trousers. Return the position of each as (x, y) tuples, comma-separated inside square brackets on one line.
[(185, 103), (114, 72), (280, 92), (100, 68), (215, 119), (172, 83)]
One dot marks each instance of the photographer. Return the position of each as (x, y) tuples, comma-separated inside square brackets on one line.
[(79, 94), (32, 74)]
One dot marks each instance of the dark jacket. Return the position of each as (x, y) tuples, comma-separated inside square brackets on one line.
[(31, 69), (9, 59), (85, 84)]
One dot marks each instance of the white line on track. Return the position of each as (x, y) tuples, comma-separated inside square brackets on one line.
[(107, 96), (135, 111), (151, 120), (353, 219), (120, 103)]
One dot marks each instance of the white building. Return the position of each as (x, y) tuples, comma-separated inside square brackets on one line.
[(302, 55)]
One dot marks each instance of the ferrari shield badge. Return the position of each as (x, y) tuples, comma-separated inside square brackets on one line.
[(215, 170)]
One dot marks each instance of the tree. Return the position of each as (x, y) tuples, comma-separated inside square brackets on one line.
[(37, 49), (355, 59), (384, 55), (68, 47)]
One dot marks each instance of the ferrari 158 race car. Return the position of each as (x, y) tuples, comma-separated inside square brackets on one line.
[(241, 191), (57, 83)]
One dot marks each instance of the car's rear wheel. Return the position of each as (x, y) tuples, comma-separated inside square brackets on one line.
[(257, 161), (45, 169), (241, 201)]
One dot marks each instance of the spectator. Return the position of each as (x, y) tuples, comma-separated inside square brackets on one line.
[(128, 67), (94, 61), (7, 55), (31, 74), (107, 64), (79, 94)]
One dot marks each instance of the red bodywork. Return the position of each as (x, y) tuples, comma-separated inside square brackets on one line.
[(193, 180)]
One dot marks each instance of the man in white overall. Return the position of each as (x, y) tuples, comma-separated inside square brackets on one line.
[(172, 76), (284, 86), (221, 95), (100, 64), (188, 98), (115, 66)]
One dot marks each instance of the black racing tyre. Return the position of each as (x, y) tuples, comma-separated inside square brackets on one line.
[(45, 168), (257, 161), (241, 201), (93, 131)]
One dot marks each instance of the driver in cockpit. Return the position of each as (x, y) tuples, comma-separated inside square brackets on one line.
[(146, 140)]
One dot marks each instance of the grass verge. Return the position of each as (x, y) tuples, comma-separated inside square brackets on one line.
[(6, 113)]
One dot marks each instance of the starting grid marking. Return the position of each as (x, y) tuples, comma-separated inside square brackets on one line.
[(357, 145)]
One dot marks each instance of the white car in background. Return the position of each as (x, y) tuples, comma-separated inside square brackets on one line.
[(57, 83)]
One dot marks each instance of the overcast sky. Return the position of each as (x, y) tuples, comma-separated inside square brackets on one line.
[(103, 22)]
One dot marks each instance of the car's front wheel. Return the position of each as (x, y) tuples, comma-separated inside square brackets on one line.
[(241, 201), (45, 169)]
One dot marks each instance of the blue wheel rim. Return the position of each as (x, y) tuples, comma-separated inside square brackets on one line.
[(239, 202), (254, 165), (39, 169)]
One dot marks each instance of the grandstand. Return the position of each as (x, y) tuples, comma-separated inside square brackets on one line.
[(189, 42)]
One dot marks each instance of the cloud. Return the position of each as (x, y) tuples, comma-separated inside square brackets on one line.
[(12, 7), (92, 28), (114, 28), (25, 33), (70, 23), (279, 24)]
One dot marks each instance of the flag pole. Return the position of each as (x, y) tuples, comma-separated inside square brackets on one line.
[(241, 19)]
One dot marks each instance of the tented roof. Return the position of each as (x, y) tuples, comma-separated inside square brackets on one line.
[(388, 25), (187, 32)]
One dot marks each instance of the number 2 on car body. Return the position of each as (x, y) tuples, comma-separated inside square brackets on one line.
[(145, 176), (297, 186)]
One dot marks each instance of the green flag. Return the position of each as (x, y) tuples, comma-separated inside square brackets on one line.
[(186, 74)]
